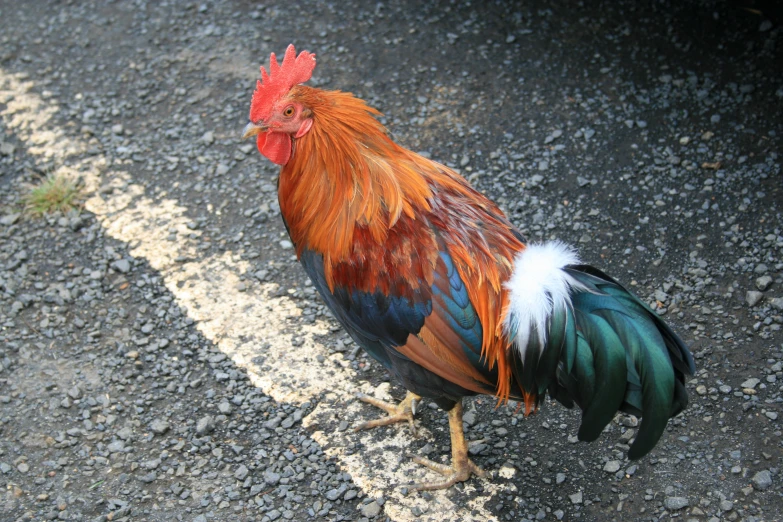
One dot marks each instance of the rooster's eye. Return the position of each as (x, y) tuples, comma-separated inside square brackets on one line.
[(289, 111)]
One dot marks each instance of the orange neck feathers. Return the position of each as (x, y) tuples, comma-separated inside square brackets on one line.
[(344, 173)]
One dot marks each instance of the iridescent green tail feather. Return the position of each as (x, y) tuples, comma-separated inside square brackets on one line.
[(613, 353)]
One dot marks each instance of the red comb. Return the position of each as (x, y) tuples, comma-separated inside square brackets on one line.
[(293, 71)]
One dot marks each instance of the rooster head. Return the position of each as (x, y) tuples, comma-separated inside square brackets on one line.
[(276, 117)]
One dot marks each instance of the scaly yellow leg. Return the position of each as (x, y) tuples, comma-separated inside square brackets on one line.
[(404, 411), (461, 467)]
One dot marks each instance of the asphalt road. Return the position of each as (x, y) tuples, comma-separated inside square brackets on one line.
[(164, 357)]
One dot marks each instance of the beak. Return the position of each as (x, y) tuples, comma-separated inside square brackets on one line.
[(251, 129)]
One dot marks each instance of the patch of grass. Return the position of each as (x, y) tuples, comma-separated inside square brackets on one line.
[(55, 193)]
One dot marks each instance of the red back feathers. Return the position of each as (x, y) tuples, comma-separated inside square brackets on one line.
[(293, 71)]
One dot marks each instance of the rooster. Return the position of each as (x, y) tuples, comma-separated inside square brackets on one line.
[(434, 282)]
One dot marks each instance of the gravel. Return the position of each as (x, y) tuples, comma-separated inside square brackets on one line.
[(652, 145), (106, 419)]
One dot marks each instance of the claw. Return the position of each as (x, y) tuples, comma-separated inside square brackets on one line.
[(402, 412), (461, 468), (454, 473)]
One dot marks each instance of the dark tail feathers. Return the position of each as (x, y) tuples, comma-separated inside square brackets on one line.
[(610, 352)]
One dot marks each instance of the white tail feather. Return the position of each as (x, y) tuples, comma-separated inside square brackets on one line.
[(536, 287)]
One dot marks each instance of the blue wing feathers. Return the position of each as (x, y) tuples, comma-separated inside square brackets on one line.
[(380, 322)]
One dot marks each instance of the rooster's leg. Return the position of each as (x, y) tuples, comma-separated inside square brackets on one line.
[(402, 412), (461, 466)]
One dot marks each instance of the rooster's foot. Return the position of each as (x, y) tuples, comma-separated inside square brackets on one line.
[(457, 472), (462, 468), (402, 412)]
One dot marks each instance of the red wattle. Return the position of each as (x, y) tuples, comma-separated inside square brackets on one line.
[(276, 146)]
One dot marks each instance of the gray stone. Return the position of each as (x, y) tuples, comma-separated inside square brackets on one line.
[(750, 383), (371, 510), (613, 466), (576, 498), (752, 297), (241, 472), (122, 265), (149, 477), (205, 425), (159, 426), (116, 446), (763, 282), (675, 503), (9, 219), (762, 480), (334, 494), (271, 478)]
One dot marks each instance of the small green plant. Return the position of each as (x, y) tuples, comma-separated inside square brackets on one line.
[(55, 193)]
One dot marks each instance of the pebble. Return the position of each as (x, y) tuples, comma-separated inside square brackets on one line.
[(762, 480), (613, 466), (10, 219), (334, 494), (159, 426), (122, 265), (271, 478), (750, 383), (241, 472), (116, 446), (763, 283), (676, 503), (752, 297), (205, 425), (371, 510)]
